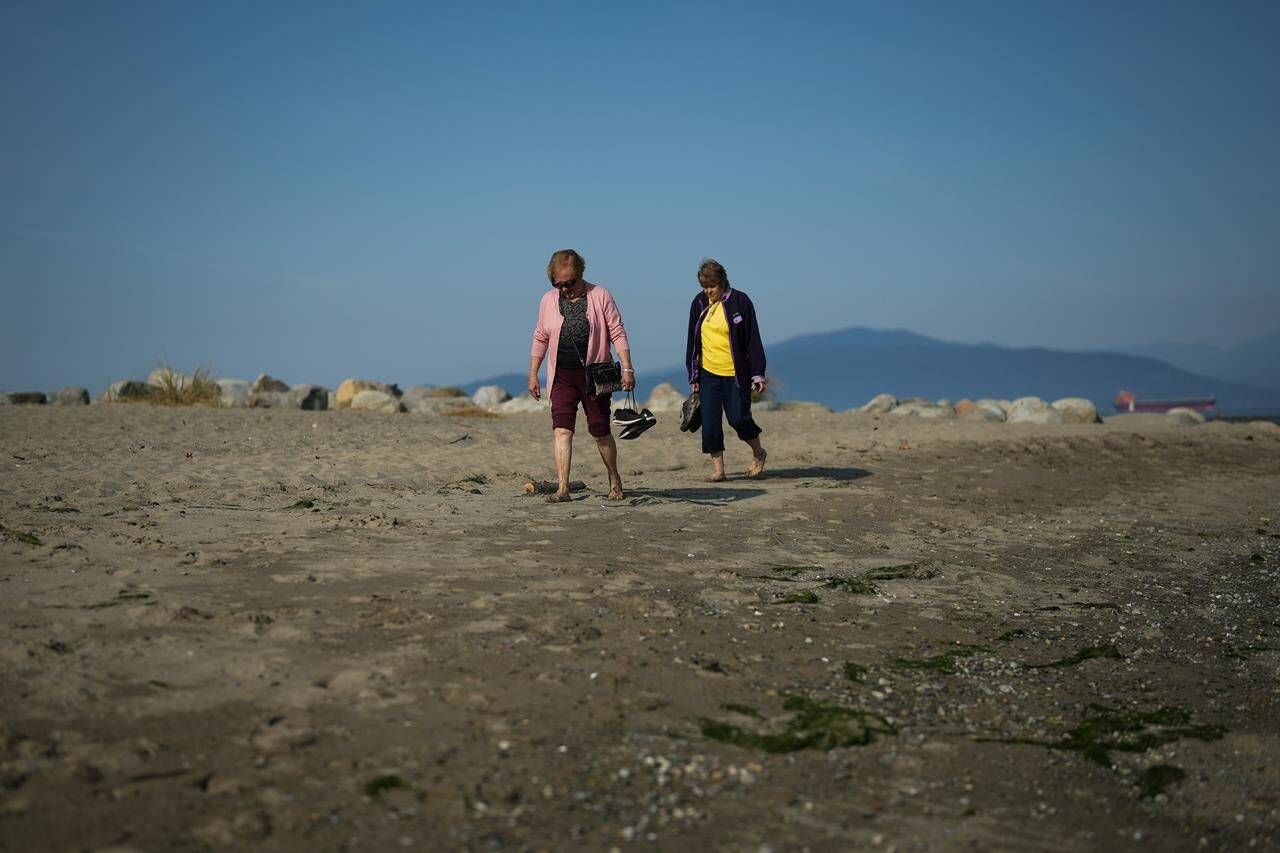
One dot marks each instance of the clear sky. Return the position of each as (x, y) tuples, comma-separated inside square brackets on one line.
[(322, 190)]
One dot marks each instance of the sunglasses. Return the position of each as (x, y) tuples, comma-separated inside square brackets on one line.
[(564, 285)]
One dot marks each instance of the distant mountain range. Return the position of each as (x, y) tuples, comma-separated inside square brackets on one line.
[(846, 368), (1254, 362)]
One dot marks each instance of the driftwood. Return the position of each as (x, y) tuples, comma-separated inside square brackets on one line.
[(547, 487)]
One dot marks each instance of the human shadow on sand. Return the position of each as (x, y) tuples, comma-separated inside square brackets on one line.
[(816, 472), (709, 494)]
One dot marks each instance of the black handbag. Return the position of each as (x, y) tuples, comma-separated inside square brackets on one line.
[(604, 377)]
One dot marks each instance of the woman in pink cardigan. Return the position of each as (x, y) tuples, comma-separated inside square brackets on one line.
[(577, 322)]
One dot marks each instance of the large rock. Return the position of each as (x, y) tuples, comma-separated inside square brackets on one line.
[(794, 406), (1000, 407), (525, 403), (23, 398), (665, 397), (235, 393), (310, 397), (924, 409), (269, 393), (982, 415), (71, 396), (349, 388), (126, 390), (164, 377), (266, 382), (373, 400), (963, 406), (1032, 410), (436, 405), (1077, 410), (879, 404), (490, 396), (1183, 415)]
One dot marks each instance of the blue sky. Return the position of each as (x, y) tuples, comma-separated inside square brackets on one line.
[(330, 190)]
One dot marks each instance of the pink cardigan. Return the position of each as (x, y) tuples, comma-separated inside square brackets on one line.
[(602, 314)]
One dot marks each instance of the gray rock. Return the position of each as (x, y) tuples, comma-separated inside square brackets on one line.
[(310, 397), (71, 396), (945, 403), (983, 414), (370, 400), (23, 398), (880, 404), (1047, 415), (349, 388), (435, 405), (924, 409), (665, 397), (1077, 410), (235, 393), (124, 390), (266, 382), (999, 406), (525, 403), (162, 375), (1183, 415), (489, 396)]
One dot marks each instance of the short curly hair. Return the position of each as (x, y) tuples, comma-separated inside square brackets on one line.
[(712, 273), (564, 258)]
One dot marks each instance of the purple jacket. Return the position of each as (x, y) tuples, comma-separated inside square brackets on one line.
[(744, 338)]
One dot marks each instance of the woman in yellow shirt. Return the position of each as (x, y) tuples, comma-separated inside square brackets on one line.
[(726, 363)]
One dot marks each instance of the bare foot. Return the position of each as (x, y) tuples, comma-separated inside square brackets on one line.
[(559, 498), (717, 477), (615, 494), (756, 468)]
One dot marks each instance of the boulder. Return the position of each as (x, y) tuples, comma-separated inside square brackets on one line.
[(924, 409), (125, 390), (795, 406), (435, 405), (24, 398), (1183, 415), (945, 403), (373, 400), (879, 404), (349, 388), (268, 392), (1270, 427), (266, 382), (309, 397), (71, 396), (489, 396), (1032, 410), (235, 393), (981, 414), (525, 403), (665, 397), (1077, 410), (964, 406), (999, 406), (1047, 415), (163, 377)]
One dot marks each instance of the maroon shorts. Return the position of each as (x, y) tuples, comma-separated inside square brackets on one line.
[(570, 389)]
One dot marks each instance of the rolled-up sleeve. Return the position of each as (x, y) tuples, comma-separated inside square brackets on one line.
[(613, 319)]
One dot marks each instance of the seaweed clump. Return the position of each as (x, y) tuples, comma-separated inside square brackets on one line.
[(1087, 653), (812, 725), (945, 662)]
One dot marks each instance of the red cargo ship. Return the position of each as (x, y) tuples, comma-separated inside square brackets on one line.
[(1127, 401)]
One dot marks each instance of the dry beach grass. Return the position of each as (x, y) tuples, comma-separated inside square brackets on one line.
[(341, 630)]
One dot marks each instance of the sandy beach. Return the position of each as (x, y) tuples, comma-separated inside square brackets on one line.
[(340, 630)]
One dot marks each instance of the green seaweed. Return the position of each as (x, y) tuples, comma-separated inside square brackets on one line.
[(1245, 652), (1156, 778), (122, 596), (380, 785), (945, 662), (855, 671), (806, 596), (911, 571), (305, 503), (1111, 730), (813, 725), (852, 586), (745, 710), (19, 536), (1087, 653)]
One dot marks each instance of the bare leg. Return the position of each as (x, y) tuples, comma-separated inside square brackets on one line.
[(564, 460), (717, 468), (758, 456), (609, 454)]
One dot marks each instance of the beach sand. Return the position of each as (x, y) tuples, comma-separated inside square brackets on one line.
[(341, 630)]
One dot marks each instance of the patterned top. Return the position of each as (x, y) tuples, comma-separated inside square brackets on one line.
[(574, 333)]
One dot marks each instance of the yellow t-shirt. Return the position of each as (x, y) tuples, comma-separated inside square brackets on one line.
[(717, 358)]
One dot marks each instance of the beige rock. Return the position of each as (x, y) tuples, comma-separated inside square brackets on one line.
[(1077, 410), (879, 404), (665, 397), (349, 388), (1183, 415), (924, 409), (372, 400)]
